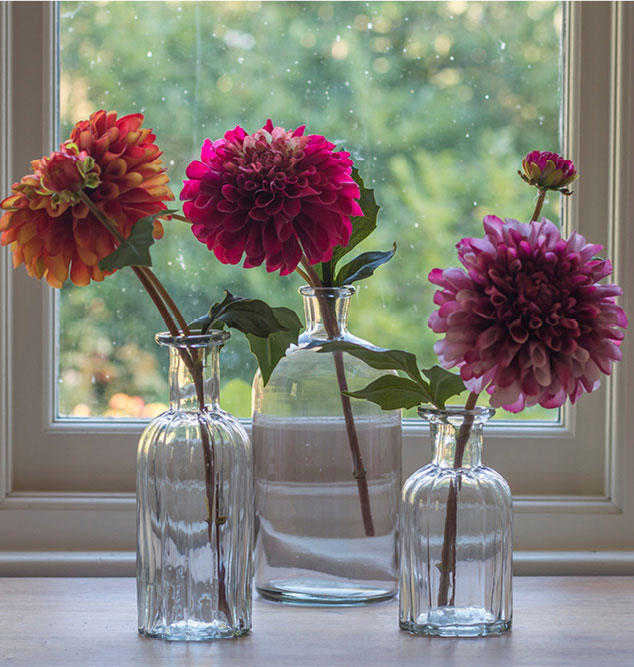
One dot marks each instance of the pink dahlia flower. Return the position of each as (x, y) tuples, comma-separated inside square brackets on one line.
[(271, 196), (528, 320), (548, 171)]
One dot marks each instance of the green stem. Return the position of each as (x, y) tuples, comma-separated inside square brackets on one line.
[(538, 205)]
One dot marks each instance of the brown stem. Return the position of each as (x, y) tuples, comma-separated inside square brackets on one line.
[(160, 297), (168, 299), (212, 490), (359, 471), (448, 552), (304, 275), (538, 205)]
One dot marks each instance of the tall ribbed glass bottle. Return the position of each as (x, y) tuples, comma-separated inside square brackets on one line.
[(456, 535), (327, 470), (194, 505)]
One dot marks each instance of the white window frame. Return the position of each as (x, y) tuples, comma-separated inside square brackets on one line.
[(66, 487)]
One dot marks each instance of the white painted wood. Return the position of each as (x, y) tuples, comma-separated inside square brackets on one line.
[(69, 484), (43, 563), (6, 269)]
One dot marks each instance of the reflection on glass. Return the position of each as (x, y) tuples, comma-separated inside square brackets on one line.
[(438, 102)]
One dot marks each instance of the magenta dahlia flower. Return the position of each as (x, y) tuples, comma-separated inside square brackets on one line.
[(548, 171), (272, 196), (528, 320)]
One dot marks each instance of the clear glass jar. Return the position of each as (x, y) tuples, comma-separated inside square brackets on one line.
[(194, 505), (456, 535), (327, 471)]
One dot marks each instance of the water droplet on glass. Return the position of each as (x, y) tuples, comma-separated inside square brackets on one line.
[(149, 54)]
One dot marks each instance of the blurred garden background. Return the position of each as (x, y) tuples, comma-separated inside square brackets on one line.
[(437, 101)]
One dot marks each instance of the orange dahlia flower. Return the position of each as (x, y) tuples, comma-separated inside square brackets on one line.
[(114, 162)]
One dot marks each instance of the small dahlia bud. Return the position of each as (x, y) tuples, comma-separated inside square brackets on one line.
[(548, 171), (61, 172)]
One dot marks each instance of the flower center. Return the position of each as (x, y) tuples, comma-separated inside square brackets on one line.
[(533, 304)]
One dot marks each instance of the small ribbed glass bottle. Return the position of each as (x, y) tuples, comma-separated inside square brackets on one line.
[(456, 535), (194, 505)]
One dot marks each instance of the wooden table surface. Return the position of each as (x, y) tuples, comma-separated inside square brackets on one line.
[(558, 621)]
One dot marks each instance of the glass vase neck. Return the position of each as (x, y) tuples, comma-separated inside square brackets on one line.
[(194, 374), (456, 435), (326, 310)]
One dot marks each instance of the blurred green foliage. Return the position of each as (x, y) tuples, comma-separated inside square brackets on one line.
[(437, 101)]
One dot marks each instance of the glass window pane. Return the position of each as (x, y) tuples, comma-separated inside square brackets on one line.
[(437, 101)]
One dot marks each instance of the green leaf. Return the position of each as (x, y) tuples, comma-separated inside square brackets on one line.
[(362, 226), (383, 360), (363, 266), (443, 385), (392, 392), (250, 316), (268, 351), (135, 250)]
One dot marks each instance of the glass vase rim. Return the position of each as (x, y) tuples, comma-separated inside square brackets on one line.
[(453, 413), (213, 338), (340, 291)]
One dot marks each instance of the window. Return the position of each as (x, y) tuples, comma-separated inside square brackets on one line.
[(69, 483), (438, 114)]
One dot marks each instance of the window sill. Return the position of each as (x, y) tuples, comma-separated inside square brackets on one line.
[(563, 620)]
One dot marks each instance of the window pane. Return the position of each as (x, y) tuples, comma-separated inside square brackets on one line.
[(437, 101)]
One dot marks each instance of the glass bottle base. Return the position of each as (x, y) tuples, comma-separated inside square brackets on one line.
[(190, 631), (340, 595), (456, 622)]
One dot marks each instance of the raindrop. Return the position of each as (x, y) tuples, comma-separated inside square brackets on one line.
[(149, 54)]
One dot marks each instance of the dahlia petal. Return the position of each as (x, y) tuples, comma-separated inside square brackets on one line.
[(196, 170), (506, 396), (79, 273)]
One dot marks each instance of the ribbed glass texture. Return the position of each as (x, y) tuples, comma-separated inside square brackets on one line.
[(327, 477), (456, 535), (194, 507)]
